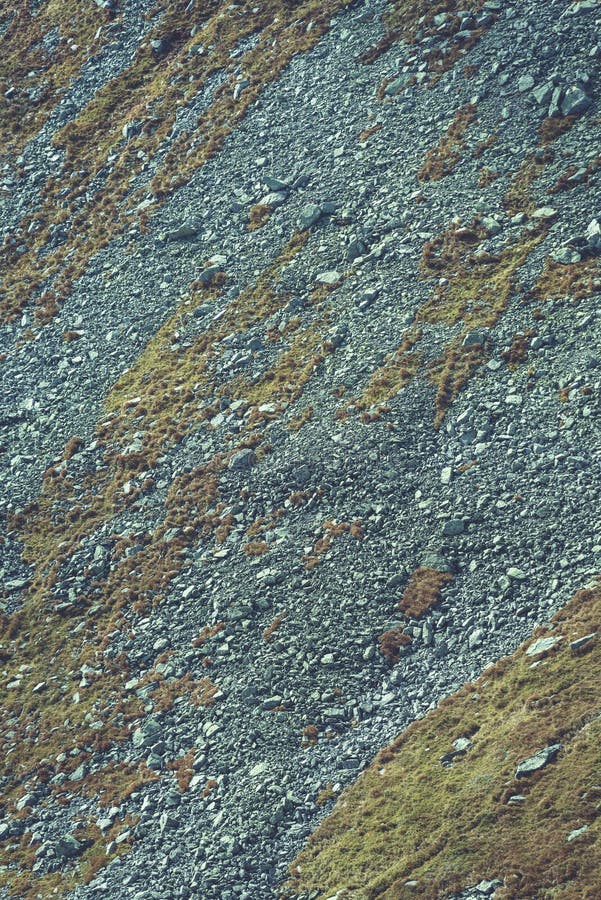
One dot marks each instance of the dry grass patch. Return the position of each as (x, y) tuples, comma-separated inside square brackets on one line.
[(423, 591), (553, 127), (391, 642), (148, 93), (413, 20), (331, 531), (442, 159), (575, 281), (408, 818), (259, 216)]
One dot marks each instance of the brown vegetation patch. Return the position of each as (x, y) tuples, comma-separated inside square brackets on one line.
[(442, 159), (391, 642), (411, 826), (567, 182), (208, 632), (183, 767), (574, 281), (413, 20), (271, 629), (259, 215), (553, 127), (423, 591), (518, 351), (149, 93), (332, 530)]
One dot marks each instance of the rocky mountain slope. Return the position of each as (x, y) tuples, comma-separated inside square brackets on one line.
[(299, 435)]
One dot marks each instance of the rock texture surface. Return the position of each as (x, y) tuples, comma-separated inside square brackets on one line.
[(299, 425)]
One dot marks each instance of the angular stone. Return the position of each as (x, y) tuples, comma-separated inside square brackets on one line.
[(538, 761), (475, 638), (68, 847), (275, 184), (433, 560), (187, 229), (274, 199), (581, 645), (446, 475), (453, 527), (525, 83), (244, 459), (543, 93), (544, 213), (516, 574), (542, 645), (554, 108), (331, 277), (566, 256), (475, 338), (207, 275), (309, 215), (492, 225), (575, 101)]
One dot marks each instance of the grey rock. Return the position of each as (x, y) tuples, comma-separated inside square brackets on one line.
[(566, 256), (310, 215), (453, 527), (274, 199), (275, 184), (147, 734), (516, 574), (243, 459), (525, 83), (543, 93), (544, 213), (475, 638), (486, 887), (68, 847), (583, 644), (538, 761), (493, 226), (433, 560), (329, 278), (543, 644), (576, 833), (554, 105), (446, 475), (593, 235), (575, 101), (475, 338), (241, 86), (188, 229)]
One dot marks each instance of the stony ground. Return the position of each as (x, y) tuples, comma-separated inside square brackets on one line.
[(359, 342)]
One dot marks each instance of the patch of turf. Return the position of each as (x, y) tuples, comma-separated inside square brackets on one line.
[(413, 827)]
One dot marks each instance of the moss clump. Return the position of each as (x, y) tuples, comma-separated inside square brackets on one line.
[(442, 159), (412, 827)]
